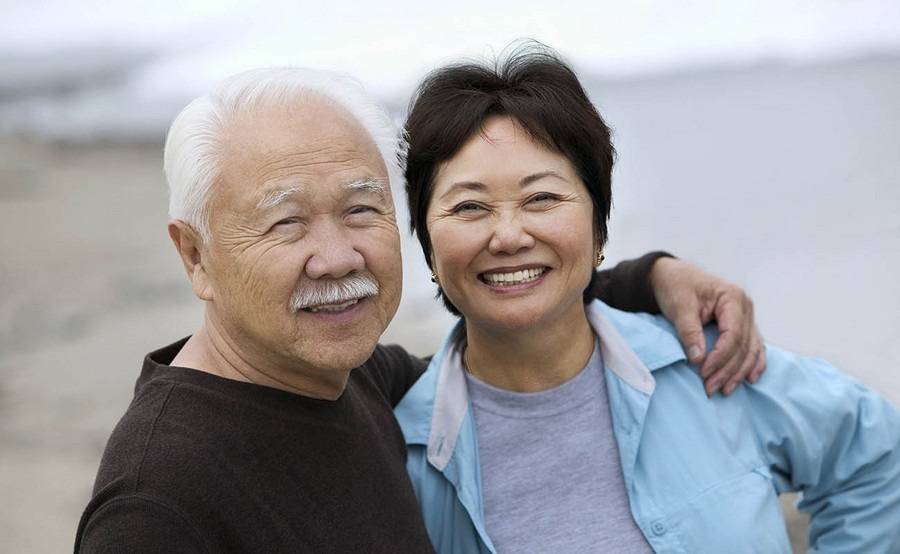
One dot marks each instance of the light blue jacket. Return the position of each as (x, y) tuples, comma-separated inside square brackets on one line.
[(702, 474)]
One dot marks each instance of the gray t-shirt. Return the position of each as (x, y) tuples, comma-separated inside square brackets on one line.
[(550, 470)]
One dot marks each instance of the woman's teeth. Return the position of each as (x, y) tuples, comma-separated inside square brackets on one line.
[(513, 277), (332, 307)]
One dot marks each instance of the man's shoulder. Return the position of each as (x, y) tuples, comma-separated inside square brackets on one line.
[(181, 418), (131, 435), (157, 427), (143, 522), (393, 370), (174, 453), (392, 355), (151, 459), (389, 361)]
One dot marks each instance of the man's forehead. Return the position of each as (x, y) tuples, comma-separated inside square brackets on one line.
[(310, 122), (299, 146)]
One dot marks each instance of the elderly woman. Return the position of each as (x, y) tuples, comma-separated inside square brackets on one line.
[(549, 422)]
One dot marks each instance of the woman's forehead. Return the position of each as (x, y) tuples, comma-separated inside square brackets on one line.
[(503, 151)]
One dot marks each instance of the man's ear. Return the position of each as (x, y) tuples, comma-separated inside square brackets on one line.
[(191, 250)]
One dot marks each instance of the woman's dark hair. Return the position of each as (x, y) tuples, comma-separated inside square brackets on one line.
[(533, 86)]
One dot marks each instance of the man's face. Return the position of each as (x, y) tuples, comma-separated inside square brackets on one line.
[(303, 202)]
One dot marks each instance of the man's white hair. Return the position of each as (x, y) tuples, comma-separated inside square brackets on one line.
[(191, 158)]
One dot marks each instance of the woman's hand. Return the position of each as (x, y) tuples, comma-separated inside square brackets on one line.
[(690, 298)]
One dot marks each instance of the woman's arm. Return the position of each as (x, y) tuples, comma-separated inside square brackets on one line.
[(838, 443)]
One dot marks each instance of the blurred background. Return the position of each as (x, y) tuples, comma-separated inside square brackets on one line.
[(759, 139)]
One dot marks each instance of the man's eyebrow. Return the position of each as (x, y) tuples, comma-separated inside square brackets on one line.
[(378, 186), (276, 197)]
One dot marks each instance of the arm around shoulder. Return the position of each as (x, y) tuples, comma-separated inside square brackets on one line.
[(836, 442), (138, 524), (627, 286)]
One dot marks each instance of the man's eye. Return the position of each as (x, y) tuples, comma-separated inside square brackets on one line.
[(288, 221), (362, 209)]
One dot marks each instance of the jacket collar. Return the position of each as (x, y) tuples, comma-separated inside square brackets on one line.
[(433, 411)]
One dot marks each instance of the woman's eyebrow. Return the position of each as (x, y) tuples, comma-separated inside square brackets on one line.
[(525, 181), (464, 185), (478, 186)]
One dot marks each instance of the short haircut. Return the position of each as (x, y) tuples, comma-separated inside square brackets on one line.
[(533, 86), (193, 144)]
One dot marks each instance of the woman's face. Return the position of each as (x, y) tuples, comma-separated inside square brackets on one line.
[(511, 230)]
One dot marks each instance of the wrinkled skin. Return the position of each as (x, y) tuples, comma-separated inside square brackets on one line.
[(284, 213)]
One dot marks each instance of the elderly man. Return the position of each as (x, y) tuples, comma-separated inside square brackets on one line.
[(270, 428)]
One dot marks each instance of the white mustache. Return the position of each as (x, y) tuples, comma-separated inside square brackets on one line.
[(334, 291)]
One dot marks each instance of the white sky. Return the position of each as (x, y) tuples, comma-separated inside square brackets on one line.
[(390, 44)]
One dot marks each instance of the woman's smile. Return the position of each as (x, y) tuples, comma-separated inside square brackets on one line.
[(504, 280)]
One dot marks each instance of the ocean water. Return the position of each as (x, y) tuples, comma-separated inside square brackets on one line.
[(781, 178)]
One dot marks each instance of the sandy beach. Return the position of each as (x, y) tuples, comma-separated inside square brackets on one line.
[(783, 179)]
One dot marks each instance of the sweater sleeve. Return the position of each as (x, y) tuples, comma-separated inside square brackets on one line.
[(626, 286), (137, 524)]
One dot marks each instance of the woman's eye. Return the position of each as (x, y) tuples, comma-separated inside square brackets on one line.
[(543, 197), (467, 208)]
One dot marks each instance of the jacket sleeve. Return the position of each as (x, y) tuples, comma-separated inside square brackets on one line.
[(836, 442), (626, 286)]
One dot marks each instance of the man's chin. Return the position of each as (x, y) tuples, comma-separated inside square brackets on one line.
[(341, 355)]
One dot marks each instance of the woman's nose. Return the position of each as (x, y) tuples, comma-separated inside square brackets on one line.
[(509, 236)]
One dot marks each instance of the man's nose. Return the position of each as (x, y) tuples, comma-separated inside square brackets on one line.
[(509, 235), (334, 254)]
